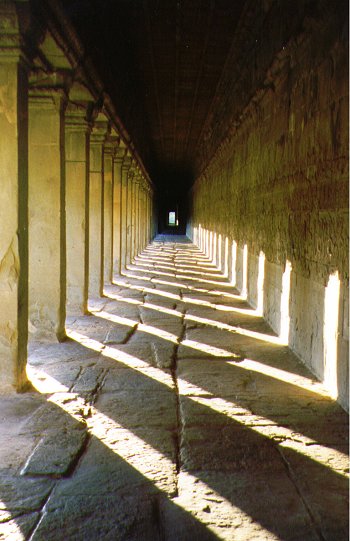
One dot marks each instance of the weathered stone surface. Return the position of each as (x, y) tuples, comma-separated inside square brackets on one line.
[(21, 495), (96, 303), (164, 354), (46, 143), (16, 441), (131, 293), (76, 139), (162, 300), (123, 308), (155, 316), (20, 528), (125, 460), (119, 334), (162, 342), (64, 352), (13, 207), (56, 453), (148, 445), (154, 408), (131, 380), (52, 379), (275, 185), (234, 507), (89, 380), (331, 481), (111, 516), (244, 449)]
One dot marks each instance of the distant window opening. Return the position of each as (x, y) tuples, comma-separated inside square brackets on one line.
[(172, 218)]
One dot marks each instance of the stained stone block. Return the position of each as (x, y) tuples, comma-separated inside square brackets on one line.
[(231, 505), (22, 495), (126, 356), (52, 378), (122, 308), (244, 450), (118, 334), (56, 453), (156, 409), (126, 460), (126, 379), (69, 351), (89, 380), (19, 528), (160, 300), (163, 354), (114, 516)]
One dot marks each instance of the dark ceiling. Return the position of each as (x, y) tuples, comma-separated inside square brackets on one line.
[(161, 62)]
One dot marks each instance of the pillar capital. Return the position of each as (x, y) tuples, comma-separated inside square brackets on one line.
[(76, 117), (78, 107), (133, 171), (111, 144), (11, 49), (127, 162), (100, 129), (47, 90), (120, 154), (138, 177)]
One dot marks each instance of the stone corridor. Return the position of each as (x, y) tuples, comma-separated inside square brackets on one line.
[(172, 412)]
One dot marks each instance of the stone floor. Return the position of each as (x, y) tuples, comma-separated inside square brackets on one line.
[(172, 412)]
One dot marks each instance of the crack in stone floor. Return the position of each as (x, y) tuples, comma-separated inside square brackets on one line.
[(172, 413)]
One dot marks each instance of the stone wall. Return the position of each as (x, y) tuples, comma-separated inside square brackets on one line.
[(278, 184)]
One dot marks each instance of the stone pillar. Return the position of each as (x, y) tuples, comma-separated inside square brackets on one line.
[(127, 161), (96, 203), (148, 215), (144, 218), (136, 217), (77, 207), (47, 218), (139, 218), (13, 205), (142, 221), (109, 149), (151, 230), (117, 208), (129, 215)]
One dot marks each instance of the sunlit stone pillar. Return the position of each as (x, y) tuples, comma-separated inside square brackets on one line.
[(109, 150), (77, 207), (141, 224), (96, 202), (136, 217), (129, 213), (117, 208), (149, 215), (143, 215), (127, 161), (133, 216), (144, 218), (13, 205), (139, 219), (47, 217)]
